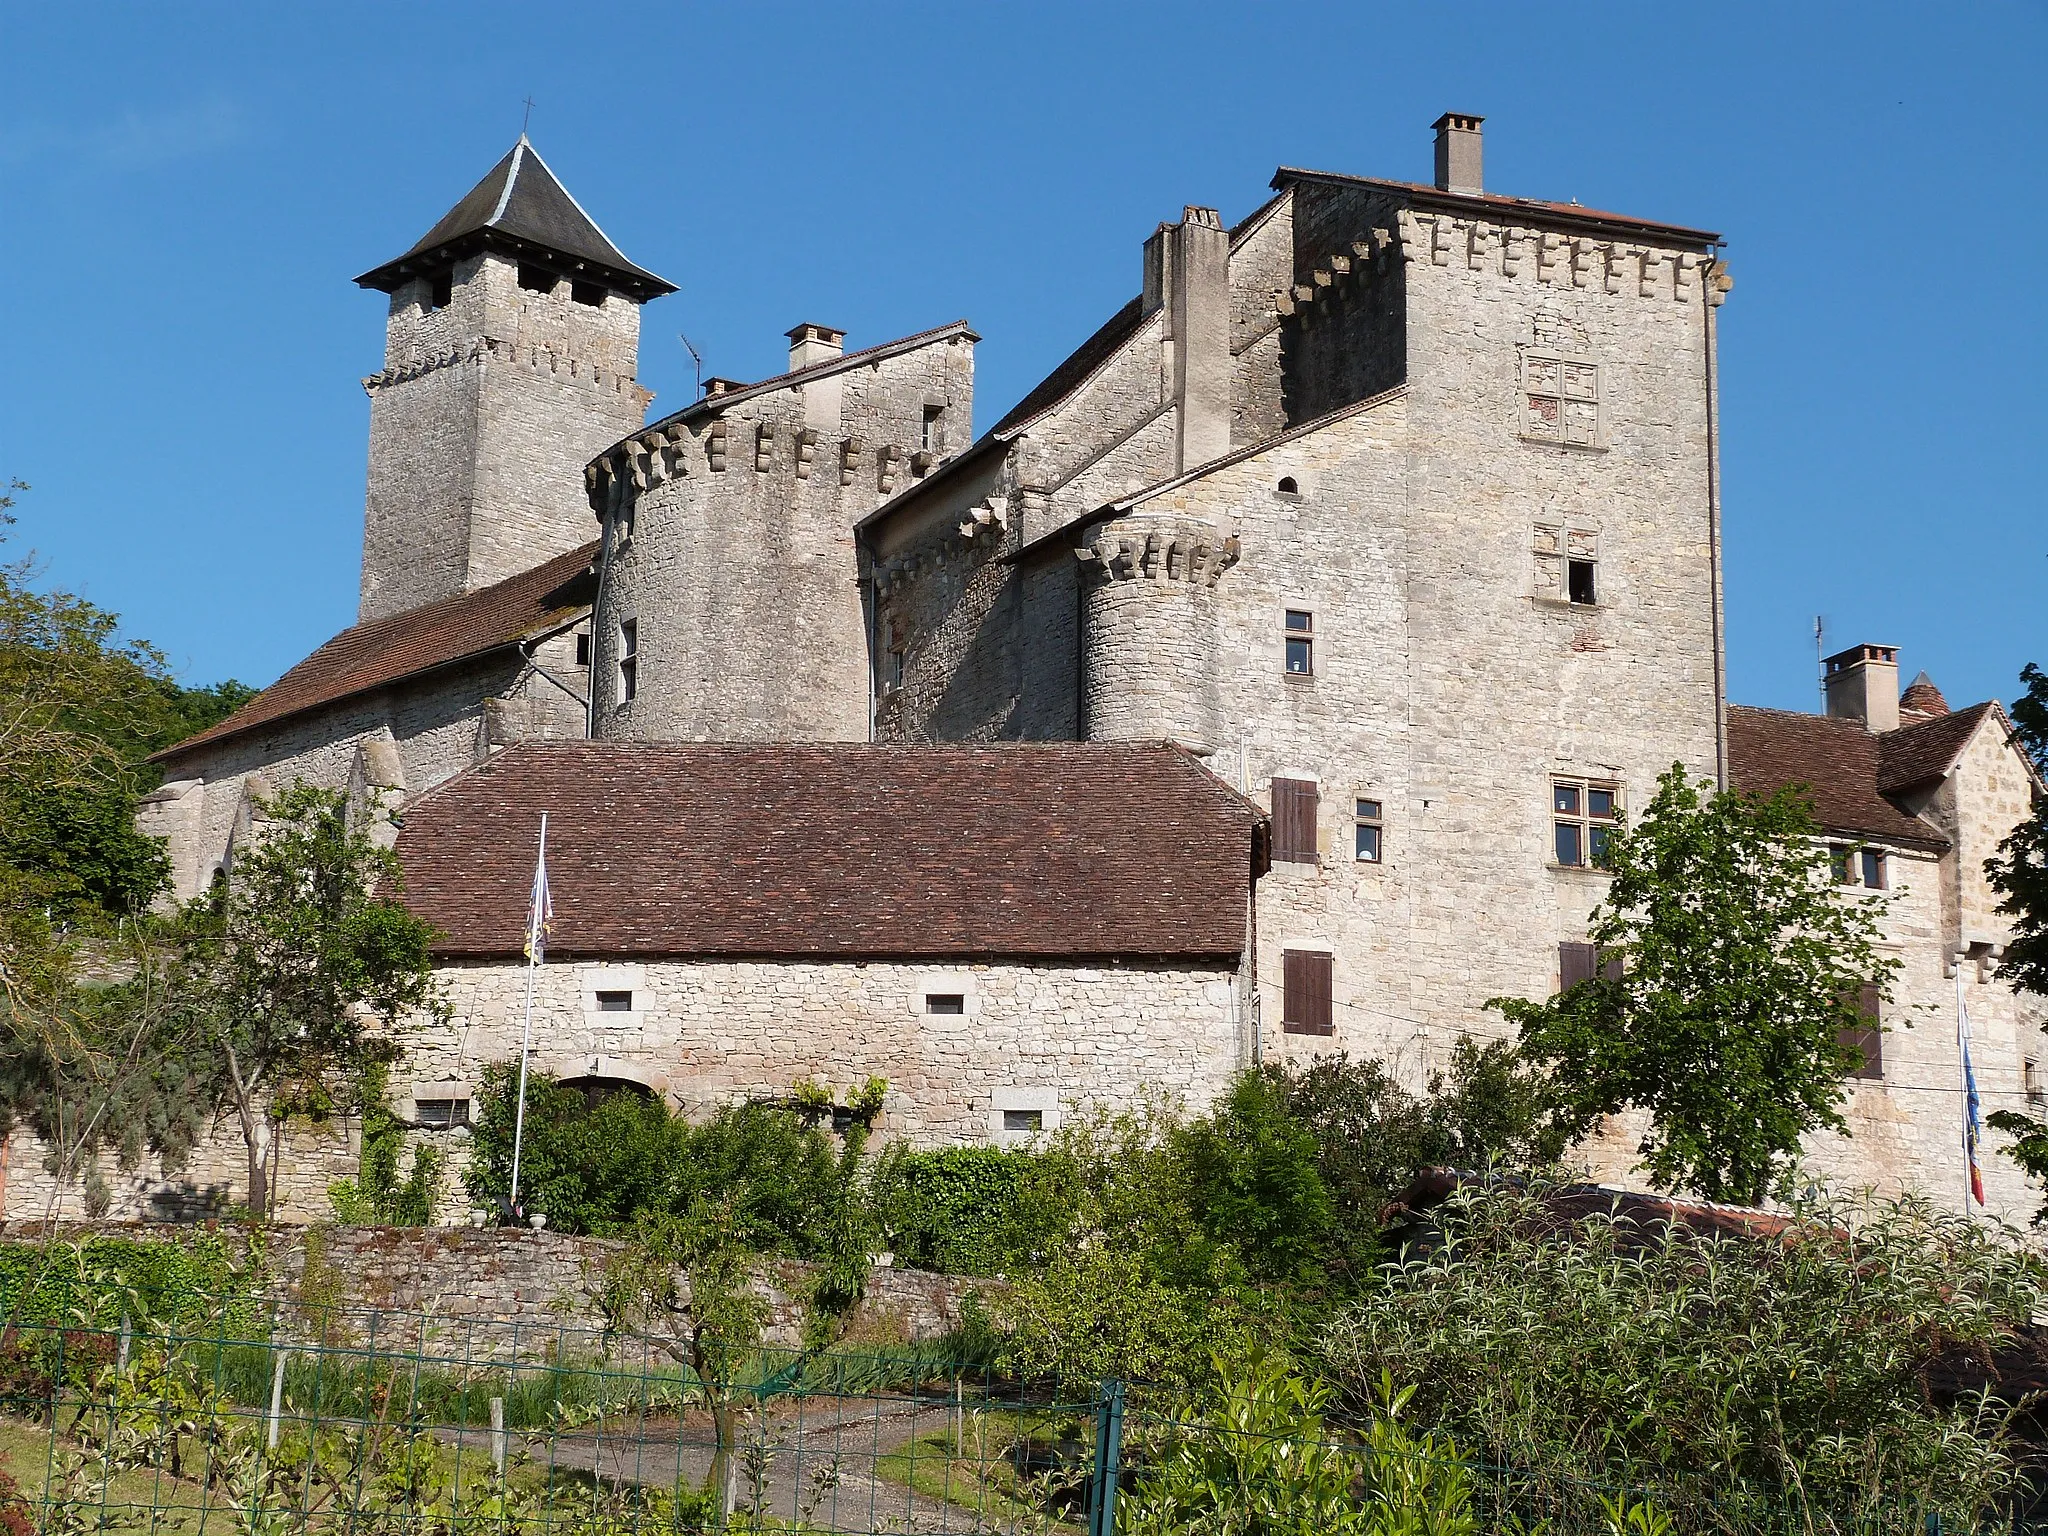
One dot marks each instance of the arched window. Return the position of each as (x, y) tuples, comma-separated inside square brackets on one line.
[(1287, 486)]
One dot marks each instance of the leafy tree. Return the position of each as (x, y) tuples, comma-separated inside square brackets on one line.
[(92, 1056), (1372, 1136), (300, 970), (1251, 1178), (75, 850), (1740, 961), (1583, 1352), (2019, 872), (592, 1170)]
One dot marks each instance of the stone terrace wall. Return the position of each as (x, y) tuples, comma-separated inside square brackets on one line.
[(493, 1293)]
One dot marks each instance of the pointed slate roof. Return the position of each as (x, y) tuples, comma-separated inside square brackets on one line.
[(521, 209)]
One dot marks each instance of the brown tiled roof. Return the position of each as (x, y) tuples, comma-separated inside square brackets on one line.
[(400, 645), (1025, 849), (1923, 698), (1913, 754), (1838, 761)]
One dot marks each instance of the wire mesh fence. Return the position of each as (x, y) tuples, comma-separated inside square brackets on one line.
[(343, 1420)]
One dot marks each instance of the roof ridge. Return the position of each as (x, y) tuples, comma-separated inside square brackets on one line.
[(512, 179)]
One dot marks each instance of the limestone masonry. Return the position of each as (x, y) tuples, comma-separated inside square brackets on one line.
[(1393, 507)]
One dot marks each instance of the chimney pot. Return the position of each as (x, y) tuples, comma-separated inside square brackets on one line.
[(1458, 167), (1863, 685), (720, 386), (810, 343)]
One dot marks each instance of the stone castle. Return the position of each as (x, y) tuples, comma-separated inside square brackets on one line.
[(1390, 513)]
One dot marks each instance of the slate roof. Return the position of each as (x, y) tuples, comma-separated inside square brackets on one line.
[(1837, 759), (1025, 850), (402, 645), (521, 208)]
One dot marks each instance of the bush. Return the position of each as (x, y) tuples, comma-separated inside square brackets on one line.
[(95, 1281), (1599, 1349), (958, 1210)]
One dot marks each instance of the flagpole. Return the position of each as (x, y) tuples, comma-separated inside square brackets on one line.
[(535, 921)]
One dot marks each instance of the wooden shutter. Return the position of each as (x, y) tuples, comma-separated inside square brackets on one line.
[(1576, 962), (1305, 993), (1294, 821), (1866, 1038)]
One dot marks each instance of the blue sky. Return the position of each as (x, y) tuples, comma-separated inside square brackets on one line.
[(185, 193)]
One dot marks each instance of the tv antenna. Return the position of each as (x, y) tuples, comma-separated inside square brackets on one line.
[(696, 358), (1820, 629)]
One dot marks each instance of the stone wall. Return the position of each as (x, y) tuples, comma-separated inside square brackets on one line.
[(495, 1293), (1034, 1037), (481, 422)]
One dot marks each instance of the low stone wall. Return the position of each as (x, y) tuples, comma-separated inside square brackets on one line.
[(497, 1293)]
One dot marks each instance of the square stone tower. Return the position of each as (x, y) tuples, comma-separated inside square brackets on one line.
[(509, 362)]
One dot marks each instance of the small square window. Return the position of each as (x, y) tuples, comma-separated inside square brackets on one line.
[(1369, 832), (441, 1114), (615, 1002), (1301, 643), (1024, 1120), (945, 1002), (1566, 799)]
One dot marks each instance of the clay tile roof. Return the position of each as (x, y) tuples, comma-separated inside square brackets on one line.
[(1838, 760), (401, 645), (1923, 698), (520, 206), (1913, 754), (1043, 850)]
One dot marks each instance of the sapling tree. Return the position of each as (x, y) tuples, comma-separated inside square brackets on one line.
[(299, 971), (1734, 962)]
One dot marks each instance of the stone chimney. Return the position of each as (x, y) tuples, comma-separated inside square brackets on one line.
[(1187, 273), (810, 344), (1863, 685), (1457, 153)]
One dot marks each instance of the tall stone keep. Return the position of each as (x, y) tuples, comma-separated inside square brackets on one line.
[(510, 357)]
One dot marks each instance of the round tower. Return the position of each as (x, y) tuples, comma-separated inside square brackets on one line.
[(1148, 629)]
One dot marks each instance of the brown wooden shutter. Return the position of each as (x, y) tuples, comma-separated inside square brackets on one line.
[(1576, 962), (1294, 821), (1610, 967), (1305, 993), (1867, 1038)]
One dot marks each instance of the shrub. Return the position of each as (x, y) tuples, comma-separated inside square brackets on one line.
[(1602, 1349), (958, 1210)]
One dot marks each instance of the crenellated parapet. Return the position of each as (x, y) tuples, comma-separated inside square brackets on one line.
[(977, 535), (531, 356), (1191, 552), (679, 450), (1519, 252)]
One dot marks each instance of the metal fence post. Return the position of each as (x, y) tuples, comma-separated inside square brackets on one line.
[(1109, 1445)]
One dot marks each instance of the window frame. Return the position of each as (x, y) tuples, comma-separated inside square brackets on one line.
[(628, 662), (1548, 382), (1303, 635), (1362, 823), (607, 999), (957, 1000), (1581, 819), (456, 1117)]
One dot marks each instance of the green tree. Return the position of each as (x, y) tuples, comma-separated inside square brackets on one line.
[(1739, 961), (301, 969)]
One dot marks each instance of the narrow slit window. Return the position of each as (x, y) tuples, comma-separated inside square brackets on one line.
[(2030, 1080), (1301, 643), (582, 649), (629, 660), (1369, 832), (615, 1001)]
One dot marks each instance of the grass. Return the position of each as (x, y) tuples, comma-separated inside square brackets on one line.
[(979, 1471)]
